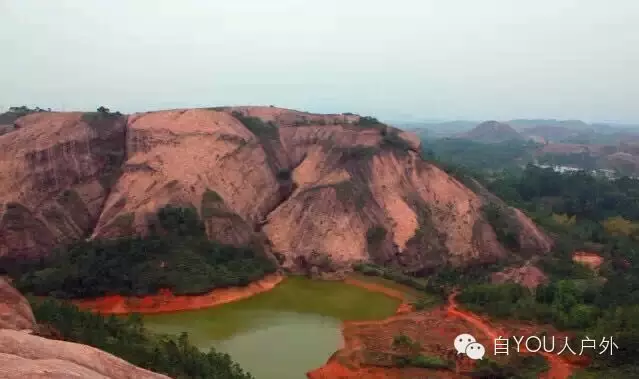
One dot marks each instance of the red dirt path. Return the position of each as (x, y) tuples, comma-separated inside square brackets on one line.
[(559, 368)]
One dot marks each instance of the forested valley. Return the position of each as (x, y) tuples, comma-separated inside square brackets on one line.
[(582, 213)]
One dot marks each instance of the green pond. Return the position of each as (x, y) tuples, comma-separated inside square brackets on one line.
[(282, 333)]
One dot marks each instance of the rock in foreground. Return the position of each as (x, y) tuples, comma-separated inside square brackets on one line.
[(24, 355)]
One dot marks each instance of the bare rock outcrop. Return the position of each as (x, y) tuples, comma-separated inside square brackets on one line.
[(55, 172), (308, 187), (15, 311), (24, 355), (527, 275)]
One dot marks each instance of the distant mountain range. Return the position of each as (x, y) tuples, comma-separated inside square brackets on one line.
[(540, 130), (492, 132)]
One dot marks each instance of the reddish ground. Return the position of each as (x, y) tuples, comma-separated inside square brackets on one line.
[(559, 368), (165, 301), (362, 337), (367, 342), (591, 260)]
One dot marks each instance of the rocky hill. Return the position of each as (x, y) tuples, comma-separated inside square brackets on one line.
[(492, 132), (24, 354), (305, 186)]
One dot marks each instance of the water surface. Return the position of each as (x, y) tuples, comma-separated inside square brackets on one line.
[(282, 333)]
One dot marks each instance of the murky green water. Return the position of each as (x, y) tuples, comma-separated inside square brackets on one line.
[(283, 333)]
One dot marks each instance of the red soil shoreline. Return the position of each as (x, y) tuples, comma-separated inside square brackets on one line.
[(165, 301), (333, 369)]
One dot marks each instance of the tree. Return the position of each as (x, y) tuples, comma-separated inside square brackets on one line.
[(619, 227)]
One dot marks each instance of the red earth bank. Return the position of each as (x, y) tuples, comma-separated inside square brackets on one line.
[(165, 301)]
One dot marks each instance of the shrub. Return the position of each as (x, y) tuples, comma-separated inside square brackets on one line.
[(257, 126), (375, 235), (503, 225), (128, 339), (177, 256)]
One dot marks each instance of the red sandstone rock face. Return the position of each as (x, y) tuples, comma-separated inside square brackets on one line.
[(23, 355), (306, 184), (15, 311), (54, 175)]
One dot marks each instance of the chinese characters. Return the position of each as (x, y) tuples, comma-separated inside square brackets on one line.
[(534, 344)]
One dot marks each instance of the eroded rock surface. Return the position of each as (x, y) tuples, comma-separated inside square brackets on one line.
[(311, 188), (24, 355), (15, 311), (55, 173)]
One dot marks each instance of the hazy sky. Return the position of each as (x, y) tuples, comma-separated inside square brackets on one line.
[(473, 59)]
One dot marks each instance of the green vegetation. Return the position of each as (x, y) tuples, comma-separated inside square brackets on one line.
[(503, 224), (396, 275), (211, 202), (410, 355), (14, 113), (357, 153), (427, 239), (437, 282), (584, 161), (128, 339), (124, 222), (370, 122), (581, 212), (403, 341), (267, 130), (518, 367), (423, 361), (575, 194), (375, 236), (347, 192), (176, 255), (101, 115), (391, 139), (480, 157), (424, 302)]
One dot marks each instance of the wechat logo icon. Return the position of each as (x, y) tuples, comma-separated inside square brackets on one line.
[(467, 344)]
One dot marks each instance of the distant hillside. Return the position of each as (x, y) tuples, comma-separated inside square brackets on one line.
[(548, 133), (436, 129), (483, 157), (622, 157), (540, 130), (586, 136), (532, 123), (492, 132)]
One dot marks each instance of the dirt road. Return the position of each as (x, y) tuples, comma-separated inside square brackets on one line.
[(559, 368)]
